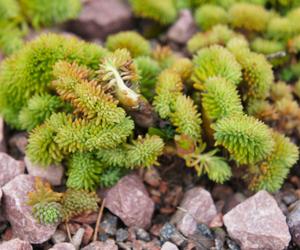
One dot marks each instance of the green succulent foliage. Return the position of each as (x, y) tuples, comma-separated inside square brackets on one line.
[(169, 86), (142, 152), (270, 174), (216, 167), (220, 99), (111, 176), (46, 13), (208, 15), (183, 67), (75, 202), (84, 171), (216, 61), (266, 47), (39, 108), (41, 148), (9, 9), (219, 34), (10, 37), (237, 44), (257, 74), (47, 213), (249, 16), (280, 28), (185, 117), (130, 40), (247, 139), (29, 71), (149, 70), (164, 12)]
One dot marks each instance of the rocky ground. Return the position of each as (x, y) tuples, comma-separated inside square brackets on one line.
[(165, 208)]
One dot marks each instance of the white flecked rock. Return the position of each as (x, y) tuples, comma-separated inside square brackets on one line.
[(169, 246), (63, 246), (19, 214), (53, 173), (258, 223), (197, 206), (183, 29), (15, 244), (9, 168), (97, 245), (129, 200)]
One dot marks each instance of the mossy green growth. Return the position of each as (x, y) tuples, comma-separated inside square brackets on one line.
[(29, 71), (46, 13), (130, 40), (216, 61), (266, 46), (208, 15), (247, 139), (164, 12), (47, 212)]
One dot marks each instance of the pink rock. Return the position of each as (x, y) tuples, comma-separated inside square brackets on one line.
[(197, 206), (129, 200), (9, 168), (53, 173), (258, 223), (15, 244), (169, 246), (183, 29), (19, 215), (63, 246), (101, 17), (2, 138), (97, 245)]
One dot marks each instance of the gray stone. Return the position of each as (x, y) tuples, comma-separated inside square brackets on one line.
[(169, 246), (98, 245), (63, 246), (9, 168), (59, 236), (109, 224), (19, 214), (293, 220), (121, 235), (183, 29), (53, 173), (15, 244), (99, 18), (78, 237), (196, 207), (258, 223), (2, 137), (129, 200)]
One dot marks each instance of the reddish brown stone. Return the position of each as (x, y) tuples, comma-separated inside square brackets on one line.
[(152, 177), (129, 200), (86, 218), (52, 173), (197, 206), (19, 214), (183, 29), (99, 18), (9, 168), (88, 234), (15, 244), (97, 245), (258, 223), (8, 234), (217, 221)]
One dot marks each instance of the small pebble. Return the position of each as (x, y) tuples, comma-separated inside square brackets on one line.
[(121, 235), (77, 238), (142, 234), (169, 246), (205, 231), (170, 233), (103, 236), (59, 236), (109, 224), (232, 245)]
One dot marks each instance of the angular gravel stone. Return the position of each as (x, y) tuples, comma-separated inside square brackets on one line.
[(169, 246), (258, 223), (196, 207), (293, 220), (99, 18), (53, 173), (19, 214), (63, 246), (15, 244), (97, 245), (129, 200), (9, 168), (183, 29)]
